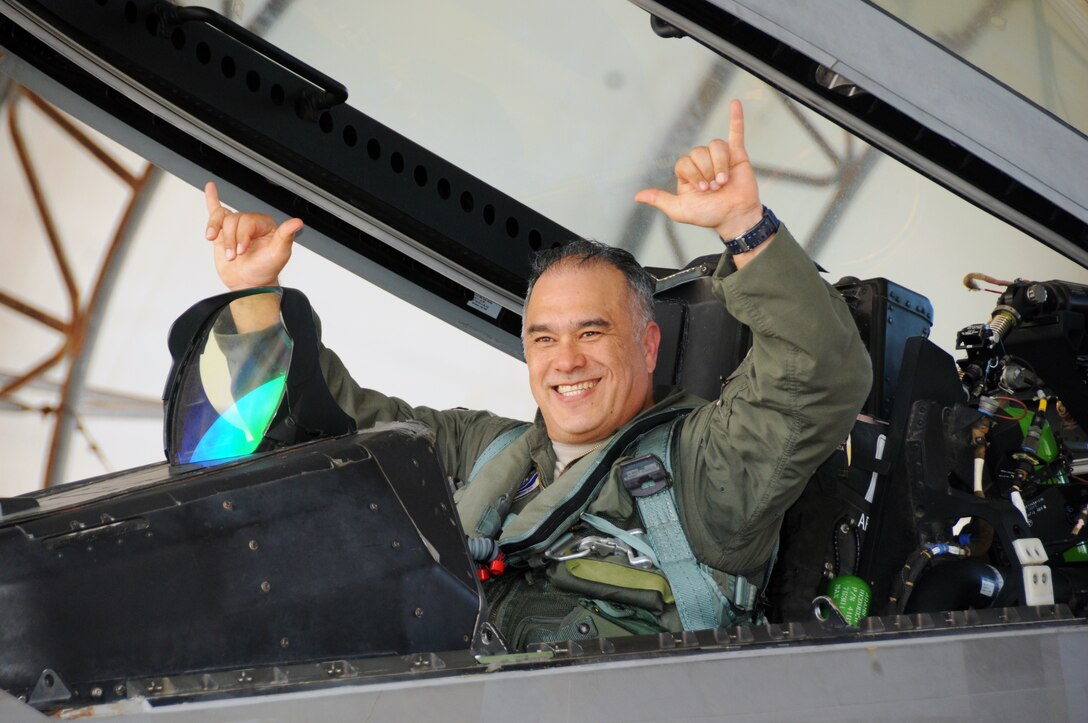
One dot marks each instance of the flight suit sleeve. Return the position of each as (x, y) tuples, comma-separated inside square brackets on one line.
[(745, 458), (461, 435)]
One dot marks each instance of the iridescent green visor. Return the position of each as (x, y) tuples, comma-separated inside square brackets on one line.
[(228, 395)]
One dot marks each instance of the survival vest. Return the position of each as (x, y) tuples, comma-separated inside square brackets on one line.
[(704, 598)]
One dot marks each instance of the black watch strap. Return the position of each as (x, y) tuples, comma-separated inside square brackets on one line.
[(767, 227)]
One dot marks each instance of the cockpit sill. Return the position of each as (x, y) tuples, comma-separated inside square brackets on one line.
[(722, 643)]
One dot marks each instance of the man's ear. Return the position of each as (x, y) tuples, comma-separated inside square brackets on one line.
[(651, 341)]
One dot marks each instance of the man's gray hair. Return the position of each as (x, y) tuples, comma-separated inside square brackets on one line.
[(584, 251)]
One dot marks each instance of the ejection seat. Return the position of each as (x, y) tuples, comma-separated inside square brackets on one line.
[(824, 532)]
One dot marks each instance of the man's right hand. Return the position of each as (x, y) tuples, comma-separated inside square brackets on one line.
[(250, 249), (715, 188)]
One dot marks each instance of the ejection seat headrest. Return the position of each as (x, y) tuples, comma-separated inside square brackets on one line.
[(701, 342)]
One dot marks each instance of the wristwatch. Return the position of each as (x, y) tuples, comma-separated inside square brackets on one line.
[(767, 227)]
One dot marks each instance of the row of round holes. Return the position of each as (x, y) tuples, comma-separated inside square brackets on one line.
[(325, 122)]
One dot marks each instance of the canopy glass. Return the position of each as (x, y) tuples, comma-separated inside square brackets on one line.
[(1039, 48), (572, 108)]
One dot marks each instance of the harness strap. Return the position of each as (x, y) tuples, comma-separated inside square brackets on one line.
[(559, 519), (497, 445), (699, 599)]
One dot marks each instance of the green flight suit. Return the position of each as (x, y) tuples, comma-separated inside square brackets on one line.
[(740, 460)]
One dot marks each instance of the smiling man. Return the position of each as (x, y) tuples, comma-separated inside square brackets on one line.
[(591, 346), (623, 508)]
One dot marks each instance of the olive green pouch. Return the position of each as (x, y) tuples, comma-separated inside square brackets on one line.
[(613, 581)]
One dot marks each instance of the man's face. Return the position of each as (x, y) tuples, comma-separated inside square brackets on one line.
[(589, 371)]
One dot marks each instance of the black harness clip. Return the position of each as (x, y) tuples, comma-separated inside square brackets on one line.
[(644, 476)]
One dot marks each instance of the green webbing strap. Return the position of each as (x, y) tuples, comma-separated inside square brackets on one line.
[(698, 599), (497, 445), (744, 592)]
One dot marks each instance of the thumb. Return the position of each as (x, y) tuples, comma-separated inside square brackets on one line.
[(286, 231), (663, 201)]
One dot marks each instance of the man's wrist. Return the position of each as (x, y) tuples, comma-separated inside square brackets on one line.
[(764, 228), (243, 285)]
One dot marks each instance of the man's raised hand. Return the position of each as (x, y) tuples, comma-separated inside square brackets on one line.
[(715, 185), (250, 249)]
